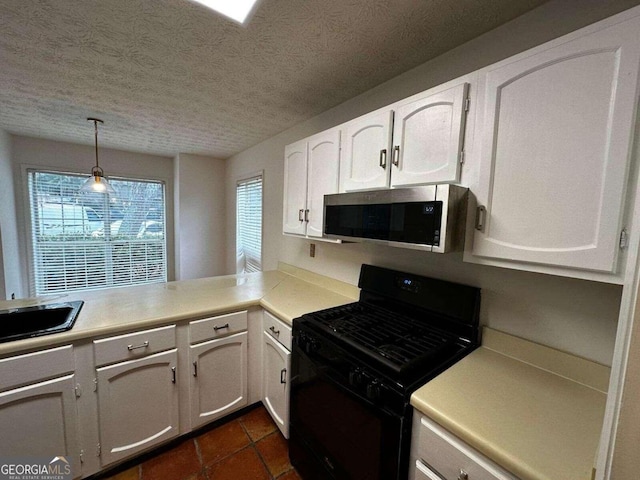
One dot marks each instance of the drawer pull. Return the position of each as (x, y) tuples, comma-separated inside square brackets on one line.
[(463, 475), (274, 331), (216, 327), (383, 158), (283, 375), (173, 374), (135, 347), (395, 159), (195, 369)]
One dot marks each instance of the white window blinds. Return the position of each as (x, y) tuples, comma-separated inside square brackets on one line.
[(249, 225), (83, 241)]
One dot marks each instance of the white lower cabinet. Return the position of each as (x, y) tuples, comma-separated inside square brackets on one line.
[(137, 405), (218, 383), (276, 367), (439, 455), (40, 418)]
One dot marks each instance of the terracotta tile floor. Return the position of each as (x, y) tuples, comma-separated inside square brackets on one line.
[(246, 448)]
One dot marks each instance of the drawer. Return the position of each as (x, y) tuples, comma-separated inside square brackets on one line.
[(425, 473), (134, 345), (216, 327), (35, 367), (277, 329), (451, 458)]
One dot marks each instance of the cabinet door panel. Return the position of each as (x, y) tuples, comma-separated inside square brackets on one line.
[(46, 416), (137, 405), (556, 141), (275, 385), (295, 188), (323, 169), (219, 378), (428, 136), (365, 166)]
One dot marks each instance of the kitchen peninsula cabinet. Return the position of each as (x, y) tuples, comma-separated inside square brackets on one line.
[(218, 380), (138, 394), (555, 130), (311, 172), (417, 141), (38, 406)]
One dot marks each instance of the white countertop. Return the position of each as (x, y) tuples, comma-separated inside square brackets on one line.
[(533, 410), (287, 293)]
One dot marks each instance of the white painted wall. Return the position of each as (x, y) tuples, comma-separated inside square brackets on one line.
[(67, 157), (199, 216), (572, 315), (10, 273)]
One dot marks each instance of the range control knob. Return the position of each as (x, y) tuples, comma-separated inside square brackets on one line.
[(373, 390), (356, 377)]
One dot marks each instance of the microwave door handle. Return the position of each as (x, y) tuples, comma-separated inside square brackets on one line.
[(383, 158)]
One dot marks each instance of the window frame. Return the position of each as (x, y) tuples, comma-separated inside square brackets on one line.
[(28, 265), (240, 179)]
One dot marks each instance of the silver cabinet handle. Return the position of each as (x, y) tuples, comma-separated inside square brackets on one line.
[(383, 158), (481, 216), (216, 327), (173, 374), (283, 375), (135, 347), (274, 331), (396, 155), (306, 215), (195, 369), (463, 475), (300, 212)]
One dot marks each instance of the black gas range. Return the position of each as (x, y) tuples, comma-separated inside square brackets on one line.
[(354, 368)]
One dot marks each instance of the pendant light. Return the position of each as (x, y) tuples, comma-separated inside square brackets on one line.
[(97, 183)]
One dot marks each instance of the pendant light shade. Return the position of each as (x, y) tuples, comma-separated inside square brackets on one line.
[(96, 183)]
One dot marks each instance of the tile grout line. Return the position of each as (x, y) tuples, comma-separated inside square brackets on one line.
[(203, 470)]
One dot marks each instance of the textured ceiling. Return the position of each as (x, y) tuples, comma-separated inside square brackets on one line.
[(170, 76)]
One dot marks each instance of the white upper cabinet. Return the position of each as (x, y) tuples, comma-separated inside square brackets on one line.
[(311, 171), (367, 146), (323, 169), (295, 187), (555, 132), (428, 136)]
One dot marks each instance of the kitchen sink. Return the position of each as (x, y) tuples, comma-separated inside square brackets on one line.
[(27, 322)]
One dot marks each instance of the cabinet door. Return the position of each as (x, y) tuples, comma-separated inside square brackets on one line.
[(367, 147), (41, 420), (219, 378), (275, 382), (428, 137), (556, 141), (295, 188), (137, 405), (323, 169)]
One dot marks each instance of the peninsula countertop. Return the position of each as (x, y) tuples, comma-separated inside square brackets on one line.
[(287, 293)]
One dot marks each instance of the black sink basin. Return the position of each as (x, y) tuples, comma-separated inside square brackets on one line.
[(27, 322)]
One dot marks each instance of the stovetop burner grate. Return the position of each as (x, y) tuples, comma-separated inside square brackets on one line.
[(396, 340)]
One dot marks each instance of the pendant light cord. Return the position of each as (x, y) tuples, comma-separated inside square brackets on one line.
[(95, 124)]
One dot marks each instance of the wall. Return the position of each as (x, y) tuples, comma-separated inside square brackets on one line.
[(67, 157), (10, 274), (573, 315), (199, 216)]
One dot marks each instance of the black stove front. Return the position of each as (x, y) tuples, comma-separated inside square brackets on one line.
[(354, 368)]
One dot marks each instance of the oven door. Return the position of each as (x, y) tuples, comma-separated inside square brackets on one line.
[(335, 431)]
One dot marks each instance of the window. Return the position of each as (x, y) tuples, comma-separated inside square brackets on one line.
[(249, 225), (83, 241)]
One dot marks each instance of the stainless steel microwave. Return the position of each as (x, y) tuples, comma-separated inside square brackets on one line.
[(427, 218)]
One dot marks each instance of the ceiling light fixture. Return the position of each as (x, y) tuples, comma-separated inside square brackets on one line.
[(96, 183), (237, 10)]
